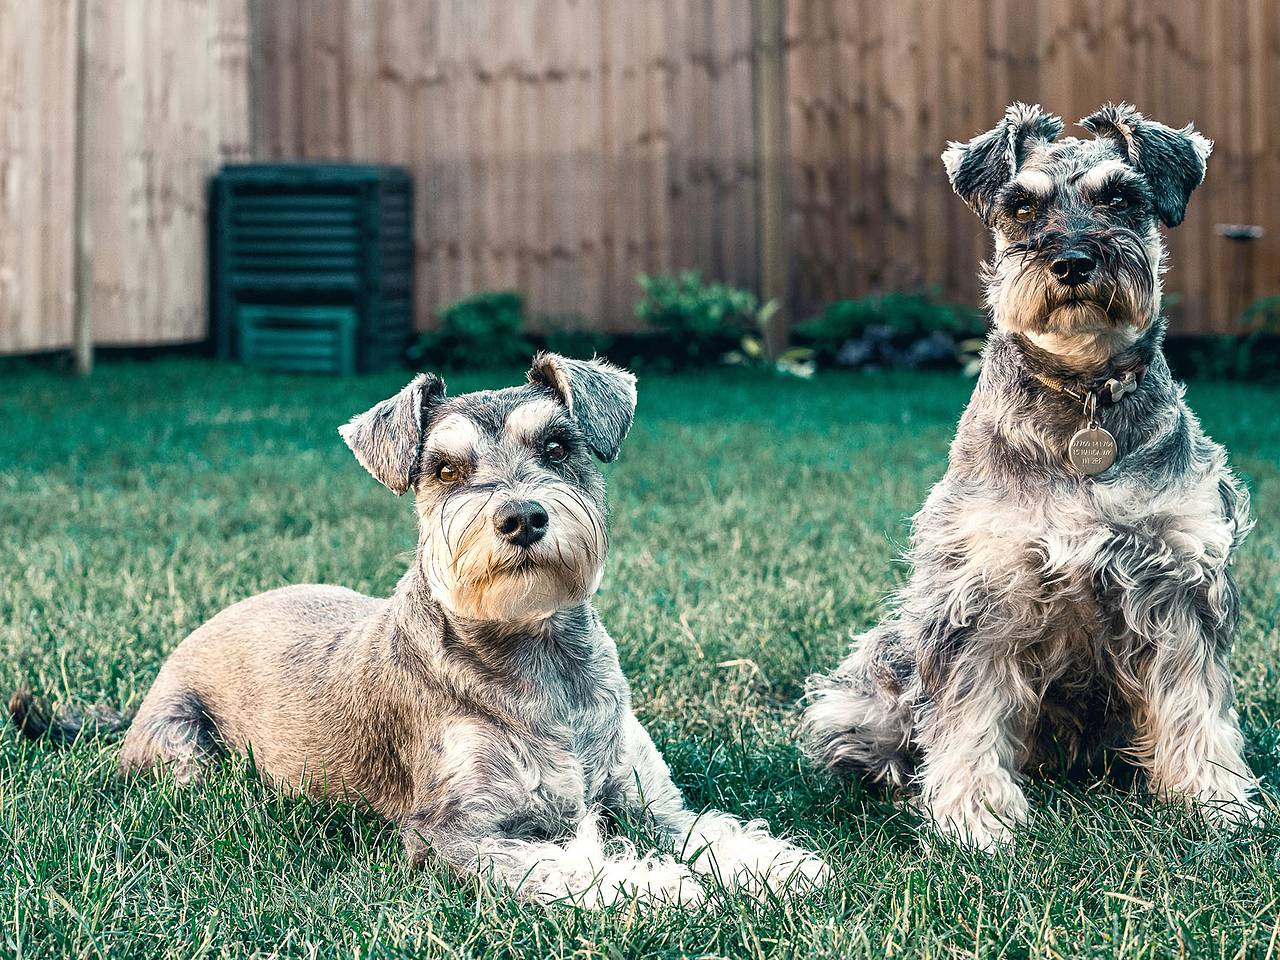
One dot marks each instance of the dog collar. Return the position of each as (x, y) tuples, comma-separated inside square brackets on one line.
[(1109, 388), (1093, 449)]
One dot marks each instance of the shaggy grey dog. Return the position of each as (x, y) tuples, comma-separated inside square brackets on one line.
[(481, 708), (1060, 602)]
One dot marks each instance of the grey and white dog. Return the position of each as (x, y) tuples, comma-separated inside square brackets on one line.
[(1053, 610), (481, 708)]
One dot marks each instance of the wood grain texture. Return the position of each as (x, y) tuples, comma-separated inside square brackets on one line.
[(166, 104), (37, 173), (876, 89), (164, 101), (563, 146), (559, 146)]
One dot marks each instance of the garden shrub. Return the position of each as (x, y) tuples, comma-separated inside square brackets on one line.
[(753, 354), (700, 321), (892, 329), (1249, 355), (480, 331), (695, 323)]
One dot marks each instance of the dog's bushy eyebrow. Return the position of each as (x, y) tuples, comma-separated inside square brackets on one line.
[(534, 418), (560, 428), (1035, 183), (456, 435), (1109, 170), (1116, 179), (1016, 193)]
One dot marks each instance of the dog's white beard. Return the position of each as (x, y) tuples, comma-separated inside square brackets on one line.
[(1081, 333), (1026, 298), (475, 574)]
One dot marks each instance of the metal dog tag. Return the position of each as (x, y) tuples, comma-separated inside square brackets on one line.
[(1092, 450)]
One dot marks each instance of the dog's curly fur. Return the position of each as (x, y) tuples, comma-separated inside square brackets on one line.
[(1047, 614)]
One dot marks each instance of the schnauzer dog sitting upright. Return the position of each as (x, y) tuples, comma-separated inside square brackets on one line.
[(1071, 585), (482, 708)]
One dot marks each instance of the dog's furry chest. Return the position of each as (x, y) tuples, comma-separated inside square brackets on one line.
[(1056, 572), (563, 768)]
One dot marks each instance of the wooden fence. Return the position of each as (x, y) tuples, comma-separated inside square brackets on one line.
[(559, 146), (37, 172), (112, 115), (876, 88), (563, 146)]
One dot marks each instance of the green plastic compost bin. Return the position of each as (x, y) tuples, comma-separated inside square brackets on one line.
[(312, 265)]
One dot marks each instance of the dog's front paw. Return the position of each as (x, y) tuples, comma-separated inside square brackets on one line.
[(590, 872), (1222, 796), (987, 834), (796, 870), (652, 881), (785, 869), (980, 824)]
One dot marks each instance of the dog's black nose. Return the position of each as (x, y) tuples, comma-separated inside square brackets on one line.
[(1073, 267), (521, 522)]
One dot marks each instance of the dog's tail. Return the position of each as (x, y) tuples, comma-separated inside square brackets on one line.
[(37, 719)]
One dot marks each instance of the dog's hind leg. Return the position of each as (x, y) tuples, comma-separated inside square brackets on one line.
[(857, 721), (172, 732)]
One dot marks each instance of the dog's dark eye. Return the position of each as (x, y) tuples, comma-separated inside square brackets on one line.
[(1024, 212), (448, 473), (1116, 201), (555, 451)]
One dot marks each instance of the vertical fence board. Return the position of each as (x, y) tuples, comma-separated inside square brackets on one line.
[(164, 99), (164, 106), (37, 173)]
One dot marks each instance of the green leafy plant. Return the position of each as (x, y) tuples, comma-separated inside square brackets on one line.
[(905, 317), (1250, 355), (751, 352), (1263, 315), (700, 321), (479, 331)]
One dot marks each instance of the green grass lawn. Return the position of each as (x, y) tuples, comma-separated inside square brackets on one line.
[(755, 522)]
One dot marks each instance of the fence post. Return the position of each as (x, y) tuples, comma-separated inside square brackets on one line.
[(82, 241), (768, 60)]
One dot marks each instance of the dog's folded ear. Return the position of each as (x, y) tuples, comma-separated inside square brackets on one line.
[(979, 168), (1173, 161), (598, 395), (387, 438)]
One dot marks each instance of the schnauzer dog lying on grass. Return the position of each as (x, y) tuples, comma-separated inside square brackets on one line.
[(482, 707), (1071, 585)]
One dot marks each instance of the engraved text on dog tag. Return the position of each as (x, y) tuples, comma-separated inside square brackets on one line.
[(1092, 450)]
